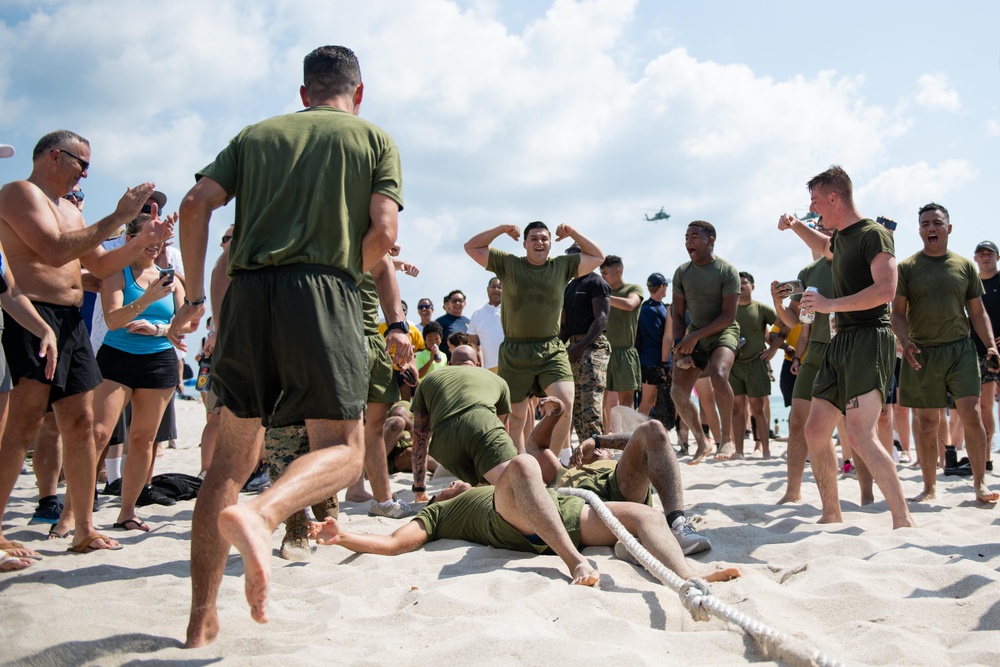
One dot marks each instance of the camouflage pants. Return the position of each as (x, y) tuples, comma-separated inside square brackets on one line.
[(590, 376), (283, 445)]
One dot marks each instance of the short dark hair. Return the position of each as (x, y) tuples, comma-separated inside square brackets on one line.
[(331, 71), (56, 140), (134, 225), (834, 179), (425, 299), (933, 207), (537, 224), (490, 281), (433, 327), (457, 338), (746, 274), (611, 261), (453, 293), (707, 226)]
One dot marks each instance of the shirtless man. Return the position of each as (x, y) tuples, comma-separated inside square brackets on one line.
[(936, 287), (46, 243), (533, 360), (709, 288), (854, 376)]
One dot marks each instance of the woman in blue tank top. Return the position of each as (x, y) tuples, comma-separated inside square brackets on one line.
[(138, 363)]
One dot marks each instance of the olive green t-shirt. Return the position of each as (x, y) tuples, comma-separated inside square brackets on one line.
[(453, 390), (818, 274), (937, 289), (532, 295), (303, 184), (622, 324), (703, 288), (854, 249), (369, 304), (754, 318)]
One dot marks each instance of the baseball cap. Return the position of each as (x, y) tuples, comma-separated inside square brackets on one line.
[(159, 198), (573, 249), (6, 150), (987, 245), (656, 279)]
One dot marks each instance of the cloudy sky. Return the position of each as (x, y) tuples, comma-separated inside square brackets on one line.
[(590, 113)]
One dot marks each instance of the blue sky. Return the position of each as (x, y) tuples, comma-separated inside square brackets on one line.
[(581, 112)]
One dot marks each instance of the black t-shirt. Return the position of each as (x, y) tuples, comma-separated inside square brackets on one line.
[(578, 302), (991, 302)]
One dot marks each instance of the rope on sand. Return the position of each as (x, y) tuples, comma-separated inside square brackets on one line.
[(697, 598)]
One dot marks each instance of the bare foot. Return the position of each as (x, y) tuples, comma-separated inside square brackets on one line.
[(765, 455), (727, 574), (699, 456), (905, 522), (584, 575), (984, 495), (12, 563), (867, 499), (17, 550), (726, 452), (927, 494), (738, 456), (790, 497), (248, 533), (831, 518), (202, 629)]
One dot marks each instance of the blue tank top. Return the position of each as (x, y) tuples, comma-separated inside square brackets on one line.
[(159, 312)]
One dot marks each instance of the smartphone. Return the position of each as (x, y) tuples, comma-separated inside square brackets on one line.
[(164, 273), (409, 377), (790, 287)]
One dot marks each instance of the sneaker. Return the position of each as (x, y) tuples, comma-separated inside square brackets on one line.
[(690, 541), (150, 495), (950, 457), (48, 510), (397, 509), (989, 466), (113, 488), (259, 479), (848, 469)]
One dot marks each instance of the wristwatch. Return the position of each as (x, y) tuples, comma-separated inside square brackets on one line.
[(398, 325), (196, 302)]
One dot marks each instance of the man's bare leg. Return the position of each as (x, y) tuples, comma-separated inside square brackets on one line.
[(234, 459), (798, 450), (335, 460), (823, 416), (27, 401), (976, 446), (47, 458), (708, 410), (987, 403), (209, 436), (719, 365), (865, 481), (610, 401), (758, 410), (680, 392), (516, 423), (740, 404), (522, 501), (862, 415), (375, 465), (884, 429), (648, 398), (648, 458), (926, 437), (564, 391)]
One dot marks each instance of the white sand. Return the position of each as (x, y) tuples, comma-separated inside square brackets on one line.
[(859, 591)]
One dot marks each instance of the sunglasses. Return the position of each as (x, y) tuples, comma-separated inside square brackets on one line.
[(84, 165), (227, 238), (425, 306), (74, 196), (456, 300)]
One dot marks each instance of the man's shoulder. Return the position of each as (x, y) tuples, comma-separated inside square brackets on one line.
[(15, 194)]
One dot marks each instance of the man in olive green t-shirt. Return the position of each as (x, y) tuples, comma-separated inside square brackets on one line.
[(623, 321), (533, 360), (749, 376), (708, 288), (855, 373), (935, 289), (318, 194)]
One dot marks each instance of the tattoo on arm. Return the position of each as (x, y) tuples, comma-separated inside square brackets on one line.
[(421, 440)]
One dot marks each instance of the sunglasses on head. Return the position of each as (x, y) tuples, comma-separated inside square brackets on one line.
[(74, 196)]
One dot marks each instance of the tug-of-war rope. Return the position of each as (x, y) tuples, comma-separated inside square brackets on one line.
[(698, 599)]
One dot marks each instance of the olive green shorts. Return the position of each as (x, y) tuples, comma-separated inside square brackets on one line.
[(505, 536), (858, 361), (600, 477), (529, 366), (291, 346), (471, 444), (808, 369), (382, 387), (728, 337), (623, 369), (952, 368), (750, 378)]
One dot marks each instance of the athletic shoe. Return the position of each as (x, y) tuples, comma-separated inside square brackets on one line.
[(690, 541), (150, 495), (259, 479), (848, 469), (397, 509), (48, 510), (113, 488)]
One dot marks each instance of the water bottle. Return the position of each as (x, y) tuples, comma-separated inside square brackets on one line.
[(204, 381), (808, 316)]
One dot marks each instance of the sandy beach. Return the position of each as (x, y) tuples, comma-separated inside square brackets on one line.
[(859, 592)]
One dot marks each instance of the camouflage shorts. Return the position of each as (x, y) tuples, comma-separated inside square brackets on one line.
[(986, 374), (283, 445), (590, 376)]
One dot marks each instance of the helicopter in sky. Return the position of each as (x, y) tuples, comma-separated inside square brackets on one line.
[(659, 215)]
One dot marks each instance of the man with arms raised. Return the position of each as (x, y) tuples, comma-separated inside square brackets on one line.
[(709, 288), (46, 242), (533, 360), (936, 287), (319, 193), (854, 376)]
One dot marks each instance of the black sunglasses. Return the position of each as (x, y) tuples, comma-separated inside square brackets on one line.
[(84, 165), (227, 238), (74, 196), (425, 306)]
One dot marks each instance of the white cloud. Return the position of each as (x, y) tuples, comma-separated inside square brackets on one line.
[(992, 128), (935, 93)]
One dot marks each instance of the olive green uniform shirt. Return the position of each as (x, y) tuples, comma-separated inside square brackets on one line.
[(854, 249), (622, 324), (532, 295), (937, 289), (818, 274), (754, 318), (703, 288), (454, 390)]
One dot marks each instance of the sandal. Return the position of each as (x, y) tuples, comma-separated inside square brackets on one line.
[(132, 524), (87, 546), (56, 535), (18, 550), (904, 457)]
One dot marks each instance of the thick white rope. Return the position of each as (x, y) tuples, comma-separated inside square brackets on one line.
[(697, 597)]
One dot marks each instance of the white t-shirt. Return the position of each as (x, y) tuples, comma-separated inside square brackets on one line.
[(485, 323)]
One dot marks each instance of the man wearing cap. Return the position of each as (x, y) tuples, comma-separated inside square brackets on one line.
[(653, 341), (586, 303), (623, 366), (935, 290), (986, 259), (46, 241)]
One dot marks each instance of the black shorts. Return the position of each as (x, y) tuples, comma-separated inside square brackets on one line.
[(653, 374), (786, 382), (139, 371), (76, 369)]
